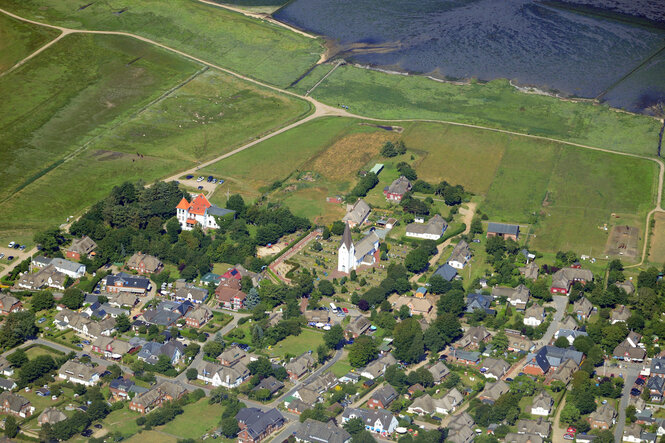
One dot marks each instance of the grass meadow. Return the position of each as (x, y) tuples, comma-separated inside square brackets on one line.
[(164, 120), (495, 104), (657, 246), (245, 45), (19, 39)]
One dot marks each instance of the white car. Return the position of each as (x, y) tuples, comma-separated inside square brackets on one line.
[(11, 244), (2, 255), (200, 179)]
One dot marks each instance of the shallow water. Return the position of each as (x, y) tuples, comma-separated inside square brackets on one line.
[(533, 44)]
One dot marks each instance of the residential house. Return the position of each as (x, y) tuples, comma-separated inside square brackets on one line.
[(534, 315), (111, 348), (530, 271), (563, 373), (151, 351), (376, 368), (517, 297), (15, 404), (632, 433), (548, 358), (200, 211), (357, 213), (460, 256), (518, 342), (271, 384), (426, 405), (314, 431), (9, 304), (198, 316), (356, 327), (563, 279), (69, 268), (627, 286), (296, 406), (620, 314), (460, 429), (7, 384), (298, 366), (231, 355), (128, 299), (229, 294), (656, 387), (322, 382), (439, 371), (218, 375), (513, 437), (630, 348), (307, 396), (376, 420), (81, 247), (493, 391), (417, 306), (569, 322), (432, 230), (542, 404), (540, 426), (503, 230), (446, 272), (51, 416), (478, 301), (80, 373), (317, 316), (156, 396), (120, 388), (382, 397), (468, 358), (569, 334), (123, 282), (582, 308), (396, 190), (473, 337), (45, 277), (191, 293), (255, 424), (494, 368), (603, 418), (658, 367), (144, 263)]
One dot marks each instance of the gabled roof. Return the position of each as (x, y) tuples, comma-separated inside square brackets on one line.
[(446, 272), (495, 390), (399, 186), (583, 306), (257, 421), (461, 252), (385, 395), (604, 413), (314, 431), (434, 226), (357, 213), (358, 325), (534, 311), (543, 400), (439, 371), (502, 228), (564, 277), (366, 245), (84, 245)]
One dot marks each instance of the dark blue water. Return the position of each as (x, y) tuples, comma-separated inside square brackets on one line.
[(528, 42)]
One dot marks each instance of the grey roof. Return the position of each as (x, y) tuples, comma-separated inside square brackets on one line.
[(346, 237), (495, 390), (467, 355), (314, 431), (270, 383), (366, 245), (502, 228), (128, 280), (399, 186), (257, 421), (461, 253), (7, 384), (563, 278), (658, 365), (369, 417), (61, 263), (358, 212), (549, 356), (83, 245), (385, 395), (434, 226), (192, 292), (219, 212), (446, 272)]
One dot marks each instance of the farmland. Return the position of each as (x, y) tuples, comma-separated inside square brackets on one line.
[(18, 39), (252, 47), (166, 119), (495, 104)]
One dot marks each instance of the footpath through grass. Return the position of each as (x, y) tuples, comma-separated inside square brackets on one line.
[(495, 104), (19, 39), (245, 45)]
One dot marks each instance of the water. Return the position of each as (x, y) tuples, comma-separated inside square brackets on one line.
[(531, 43)]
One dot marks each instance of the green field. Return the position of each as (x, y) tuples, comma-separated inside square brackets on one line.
[(72, 92), (123, 421), (249, 46), (19, 39), (142, 131), (308, 340), (495, 104), (198, 418)]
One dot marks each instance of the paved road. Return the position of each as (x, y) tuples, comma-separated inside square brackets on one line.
[(630, 373), (560, 302)]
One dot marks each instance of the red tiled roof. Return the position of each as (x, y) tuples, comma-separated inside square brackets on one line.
[(199, 205), (191, 221), (184, 204)]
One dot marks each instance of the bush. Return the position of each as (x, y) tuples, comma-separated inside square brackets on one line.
[(140, 421)]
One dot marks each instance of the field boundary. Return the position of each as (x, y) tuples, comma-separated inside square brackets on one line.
[(321, 109)]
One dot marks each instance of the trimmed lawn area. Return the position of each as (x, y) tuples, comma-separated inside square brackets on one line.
[(198, 418), (341, 367), (36, 351), (308, 340), (657, 247), (123, 421), (19, 39), (237, 42), (152, 436), (495, 104)]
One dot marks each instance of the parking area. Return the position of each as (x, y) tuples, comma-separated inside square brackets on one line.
[(205, 184)]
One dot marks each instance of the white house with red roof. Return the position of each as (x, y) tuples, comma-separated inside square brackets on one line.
[(199, 211)]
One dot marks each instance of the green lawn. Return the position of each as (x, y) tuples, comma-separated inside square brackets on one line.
[(308, 340), (495, 104), (36, 351), (249, 46), (19, 39), (198, 418), (123, 421), (341, 367)]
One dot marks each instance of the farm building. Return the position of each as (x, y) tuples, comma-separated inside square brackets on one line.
[(503, 230)]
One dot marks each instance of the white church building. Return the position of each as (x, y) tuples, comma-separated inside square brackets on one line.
[(350, 256), (199, 211)]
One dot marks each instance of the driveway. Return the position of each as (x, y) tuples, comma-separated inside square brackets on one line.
[(560, 302)]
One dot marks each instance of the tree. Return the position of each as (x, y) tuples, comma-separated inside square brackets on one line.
[(500, 341), (11, 427), (73, 298), (230, 427), (363, 437), (337, 227), (561, 342), (212, 349), (236, 203), (252, 299), (570, 414), (362, 351), (416, 260), (354, 426), (42, 300), (192, 374), (122, 323), (322, 353), (18, 358), (326, 288), (408, 341), (334, 336)]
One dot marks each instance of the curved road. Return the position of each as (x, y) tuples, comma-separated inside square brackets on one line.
[(321, 110)]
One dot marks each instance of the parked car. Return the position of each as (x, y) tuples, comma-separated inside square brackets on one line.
[(10, 258), (41, 320), (2, 255), (209, 178), (568, 437), (200, 179), (11, 244), (635, 392), (22, 248), (16, 246), (639, 381), (346, 311), (189, 177), (214, 180), (571, 430), (200, 188)]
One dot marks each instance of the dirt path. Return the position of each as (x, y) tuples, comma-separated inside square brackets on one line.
[(467, 217), (321, 110), (557, 432), (37, 52)]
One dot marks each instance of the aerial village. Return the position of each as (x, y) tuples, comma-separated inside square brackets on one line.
[(396, 323)]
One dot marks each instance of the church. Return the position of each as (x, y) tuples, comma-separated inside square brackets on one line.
[(350, 256)]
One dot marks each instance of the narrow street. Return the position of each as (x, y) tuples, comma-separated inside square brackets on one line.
[(560, 303)]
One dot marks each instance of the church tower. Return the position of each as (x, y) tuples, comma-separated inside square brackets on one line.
[(346, 255)]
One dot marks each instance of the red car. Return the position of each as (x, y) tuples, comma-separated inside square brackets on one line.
[(346, 311), (571, 430)]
